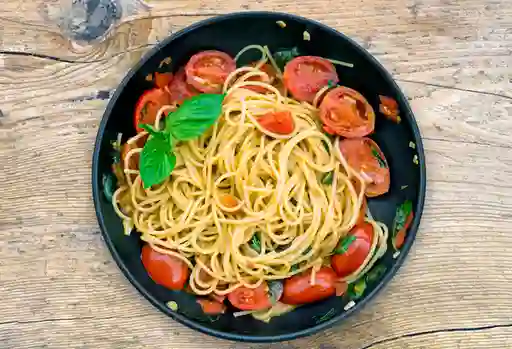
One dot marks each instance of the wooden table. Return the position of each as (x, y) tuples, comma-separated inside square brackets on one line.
[(59, 286)]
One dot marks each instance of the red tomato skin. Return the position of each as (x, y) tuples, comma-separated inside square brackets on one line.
[(280, 122), (163, 79), (348, 262), (245, 298), (151, 100), (301, 79), (299, 290), (211, 307), (340, 116), (400, 236), (358, 153), (179, 89), (212, 66), (266, 68), (165, 270)]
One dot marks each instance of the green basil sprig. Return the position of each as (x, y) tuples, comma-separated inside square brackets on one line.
[(191, 120)]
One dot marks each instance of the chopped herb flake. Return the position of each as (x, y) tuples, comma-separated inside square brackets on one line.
[(344, 244), (327, 179), (172, 305), (255, 243), (381, 161)]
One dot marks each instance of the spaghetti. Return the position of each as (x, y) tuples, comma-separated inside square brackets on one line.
[(246, 205)]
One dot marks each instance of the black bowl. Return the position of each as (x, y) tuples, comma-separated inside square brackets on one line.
[(230, 33)]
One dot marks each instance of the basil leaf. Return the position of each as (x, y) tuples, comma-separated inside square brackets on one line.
[(156, 160), (402, 212), (109, 185), (275, 291), (327, 316), (194, 117), (150, 129), (375, 273), (284, 56), (344, 244), (330, 83), (379, 158), (294, 268), (327, 179), (255, 243), (356, 290)]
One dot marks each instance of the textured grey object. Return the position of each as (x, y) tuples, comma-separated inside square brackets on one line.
[(89, 20)]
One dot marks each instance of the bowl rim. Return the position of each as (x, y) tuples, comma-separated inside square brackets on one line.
[(411, 235)]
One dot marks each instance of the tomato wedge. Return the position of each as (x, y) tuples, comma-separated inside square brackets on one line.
[(148, 105), (299, 290), (245, 298), (365, 157), (208, 70), (211, 307), (165, 270), (347, 113), (272, 75), (389, 107), (179, 89), (400, 236), (304, 76), (163, 79), (355, 247), (280, 122)]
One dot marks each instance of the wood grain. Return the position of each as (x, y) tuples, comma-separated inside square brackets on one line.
[(60, 287)]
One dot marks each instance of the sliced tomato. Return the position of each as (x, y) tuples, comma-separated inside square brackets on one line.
[(217, 298), (163, 79), (304, 76), (179, 89), (148, 105), (347, 113), (208, 70), (365, 157), (341, 288), (356, 246), (280, 122), (298, 289), (165, 270), (211, 307), (272, 75), (389, 107), (133, 164), (400, 235), (245, 298)]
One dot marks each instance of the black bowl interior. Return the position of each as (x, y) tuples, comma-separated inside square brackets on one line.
[(230, 33)]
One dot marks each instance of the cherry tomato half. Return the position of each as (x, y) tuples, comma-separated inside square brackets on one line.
[(208, 70), (133, 164), (245, 298), (165, 270), (304, 76), (299, 290), (211, 307), (179, 89), (365, 157), (400, 236), (348, 262), (347, 113), (389, 107), (148, 105), (163, 79), (280, 122), (272, 75)]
